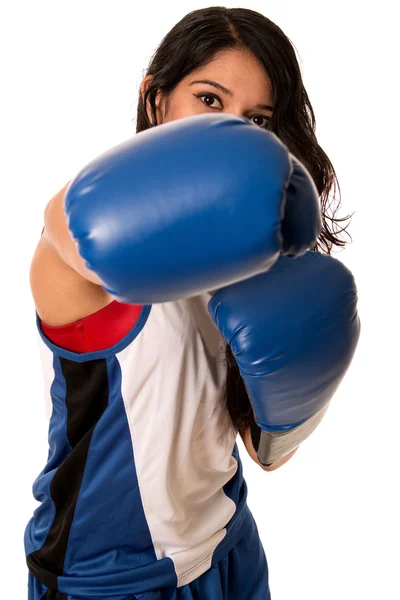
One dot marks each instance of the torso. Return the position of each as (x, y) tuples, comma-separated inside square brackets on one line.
[(61, 295)]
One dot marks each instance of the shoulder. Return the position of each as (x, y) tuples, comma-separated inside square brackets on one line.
[(61, 295)]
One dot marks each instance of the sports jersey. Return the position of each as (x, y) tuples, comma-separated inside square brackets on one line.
[(143, 486)]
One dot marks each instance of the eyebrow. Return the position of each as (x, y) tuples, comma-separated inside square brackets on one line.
[(228, 92)]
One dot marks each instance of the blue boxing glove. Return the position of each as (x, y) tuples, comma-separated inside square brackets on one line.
[(189, 206), (293, 332)]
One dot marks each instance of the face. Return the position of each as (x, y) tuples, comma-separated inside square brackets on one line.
[(233, 82)]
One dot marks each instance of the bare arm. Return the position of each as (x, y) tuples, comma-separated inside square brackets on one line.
[(58, 235)]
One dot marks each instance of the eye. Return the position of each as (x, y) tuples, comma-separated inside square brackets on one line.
[(209, 99), (264, 123)]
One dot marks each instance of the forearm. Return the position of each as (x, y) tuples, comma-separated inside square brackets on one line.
[(57, 234), (246, 437)]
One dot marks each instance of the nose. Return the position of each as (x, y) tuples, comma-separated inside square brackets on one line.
[(238, 112)]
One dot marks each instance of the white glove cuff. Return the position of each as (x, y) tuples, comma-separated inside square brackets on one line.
[(272, 446)]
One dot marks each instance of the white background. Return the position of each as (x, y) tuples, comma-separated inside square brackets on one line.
[(70, 73)]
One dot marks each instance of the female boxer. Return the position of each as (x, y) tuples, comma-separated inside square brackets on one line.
[(143, 494)]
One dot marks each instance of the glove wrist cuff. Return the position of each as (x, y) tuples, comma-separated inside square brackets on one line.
[(271, 446)]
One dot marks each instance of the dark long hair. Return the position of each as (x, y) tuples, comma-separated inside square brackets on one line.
[(192, 43)]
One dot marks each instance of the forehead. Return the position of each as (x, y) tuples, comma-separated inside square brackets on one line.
[(237, 70)]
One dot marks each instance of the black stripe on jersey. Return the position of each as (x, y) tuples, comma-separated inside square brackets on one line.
[(86, 400)]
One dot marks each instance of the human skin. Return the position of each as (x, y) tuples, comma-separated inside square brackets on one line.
[(238, 71)]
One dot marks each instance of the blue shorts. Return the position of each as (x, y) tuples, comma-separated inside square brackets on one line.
[(242, 574)]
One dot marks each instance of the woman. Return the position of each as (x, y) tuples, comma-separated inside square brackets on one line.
[(143, 494)]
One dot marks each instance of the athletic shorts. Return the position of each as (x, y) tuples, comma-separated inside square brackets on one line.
[(242, 574)]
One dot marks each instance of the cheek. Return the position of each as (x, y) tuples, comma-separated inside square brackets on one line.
[(183, 106)]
